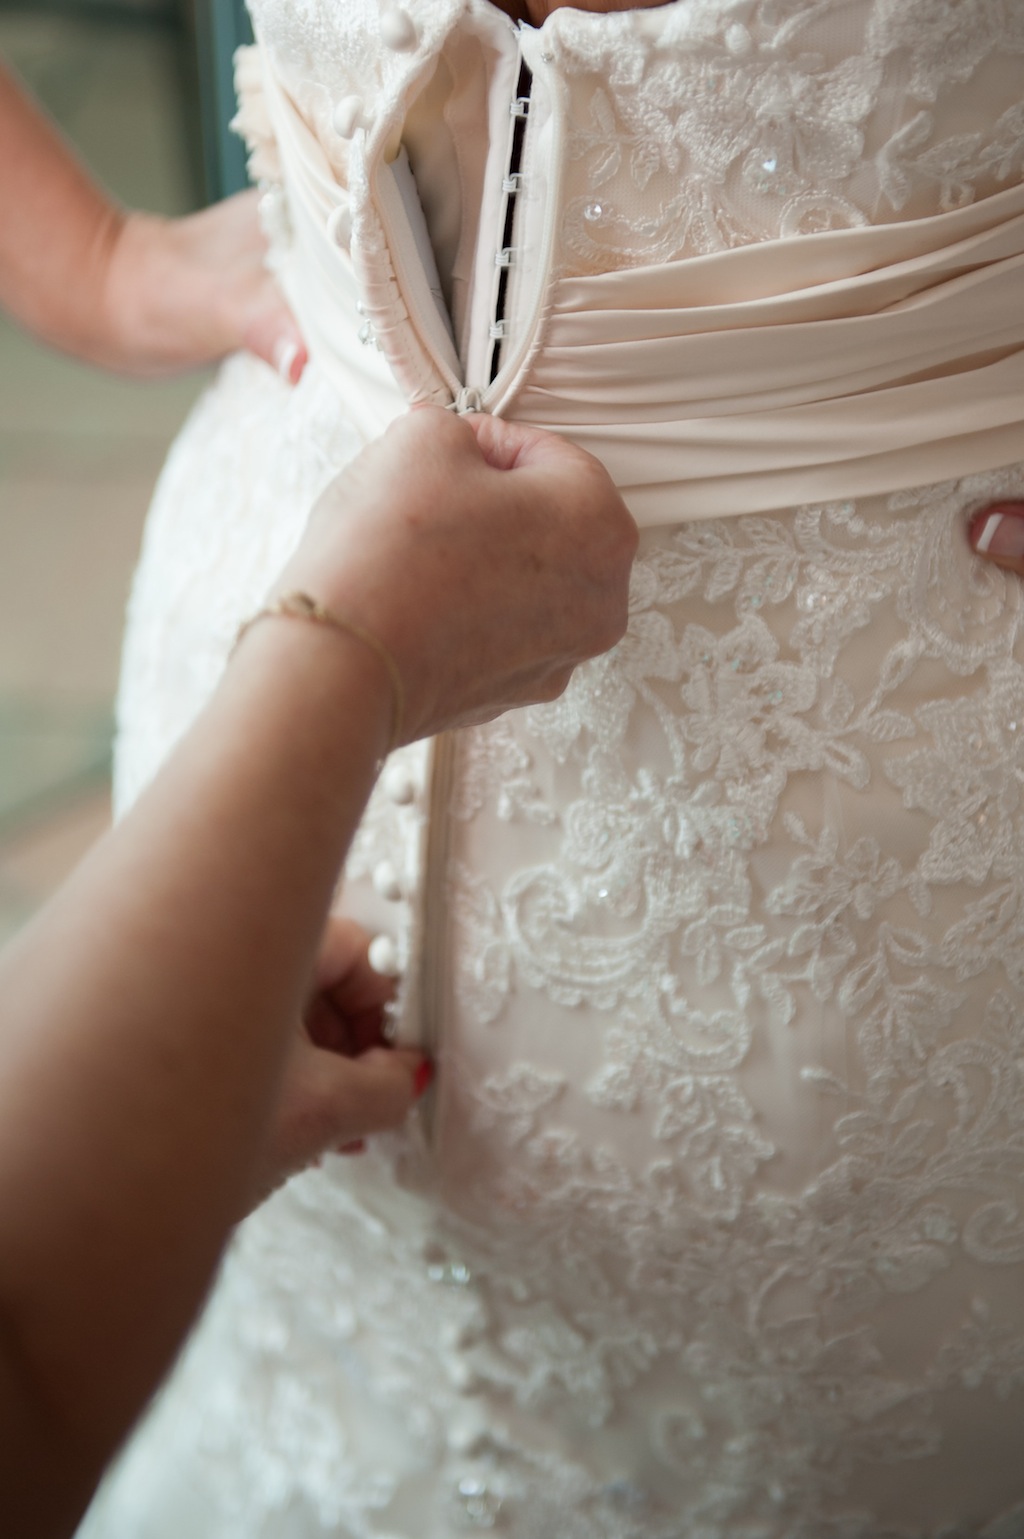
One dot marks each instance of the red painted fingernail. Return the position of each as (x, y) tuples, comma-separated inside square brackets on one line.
[(357, 1146), (422, 1079)]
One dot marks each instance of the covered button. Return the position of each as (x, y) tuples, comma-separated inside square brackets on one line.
[(383, 956), (397, 30), (347, 116), (339, 225), (399, 786), (385, 881)]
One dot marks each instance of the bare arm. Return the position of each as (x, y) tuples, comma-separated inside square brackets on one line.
[(146, 1014), (127, 291), (154, 992)]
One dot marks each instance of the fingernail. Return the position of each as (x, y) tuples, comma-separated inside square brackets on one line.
[(422, 1079), (357, 1146), (285, 355), (999, 531)]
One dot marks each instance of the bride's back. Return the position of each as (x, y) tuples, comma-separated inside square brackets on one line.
[(714, 1224)]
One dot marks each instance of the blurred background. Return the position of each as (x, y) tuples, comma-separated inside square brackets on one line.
[(143, 89)]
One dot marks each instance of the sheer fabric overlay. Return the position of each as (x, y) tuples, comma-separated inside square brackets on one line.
[(715, 1228)]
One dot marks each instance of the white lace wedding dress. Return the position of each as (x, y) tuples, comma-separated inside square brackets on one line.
[(714, 1229)]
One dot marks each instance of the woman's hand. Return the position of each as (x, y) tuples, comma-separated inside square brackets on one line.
[(129, 292), (489, 558), (342, 1080), (184, 292), (997, 534)]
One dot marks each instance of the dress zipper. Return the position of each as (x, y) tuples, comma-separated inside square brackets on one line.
[(466, 400), (513, 357), (505, 360), (414, 285), (504, 365), (505, 254)]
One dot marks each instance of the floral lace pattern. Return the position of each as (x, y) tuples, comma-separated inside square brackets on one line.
[(708, 125), (753, 1260), (746, 1296)]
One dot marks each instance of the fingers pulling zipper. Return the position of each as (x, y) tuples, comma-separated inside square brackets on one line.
[(467, 400)]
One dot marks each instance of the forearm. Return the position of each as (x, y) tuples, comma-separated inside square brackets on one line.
[(169, 1002), (145, 1013), (57, 234), (143, 295)]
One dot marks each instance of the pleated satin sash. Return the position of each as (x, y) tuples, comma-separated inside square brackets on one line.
[(831, 365), (824, 366)]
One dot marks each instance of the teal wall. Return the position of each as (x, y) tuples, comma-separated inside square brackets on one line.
[(207, 33), (220, 26)]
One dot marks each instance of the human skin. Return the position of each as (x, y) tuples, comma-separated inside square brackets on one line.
[(149, 1012), (536, 471), (996, 533), (108, 309), (128, 291), (148, 296)]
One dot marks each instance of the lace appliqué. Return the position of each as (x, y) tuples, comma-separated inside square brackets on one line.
[(720, 1231), (712, 125), (739, 676)]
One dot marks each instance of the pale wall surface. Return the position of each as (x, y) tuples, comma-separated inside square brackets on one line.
[(78, 457)]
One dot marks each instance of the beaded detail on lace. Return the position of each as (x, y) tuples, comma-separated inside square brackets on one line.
[(705, 124)]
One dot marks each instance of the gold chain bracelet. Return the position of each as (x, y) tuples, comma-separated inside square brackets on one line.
[(300, 606)]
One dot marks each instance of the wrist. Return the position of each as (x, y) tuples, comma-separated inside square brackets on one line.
[(372, 590), (325, 675), (138, 323), (296, 604), (76, 314)]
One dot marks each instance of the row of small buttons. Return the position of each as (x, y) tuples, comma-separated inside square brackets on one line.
[(399, 787), (470, 1432), (397, 32)]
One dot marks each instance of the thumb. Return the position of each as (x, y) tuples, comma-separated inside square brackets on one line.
[(511, 445), (368, 1094), (997, 534)]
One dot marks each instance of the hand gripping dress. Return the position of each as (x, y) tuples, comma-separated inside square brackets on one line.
[(714, 1226)]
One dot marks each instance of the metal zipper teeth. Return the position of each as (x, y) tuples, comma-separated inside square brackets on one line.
[(436, 942), (492, 394), (420, 307), (436, 928), (505, 254)]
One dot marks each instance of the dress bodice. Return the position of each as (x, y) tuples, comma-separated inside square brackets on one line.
[(696, 126), (710, 310), (713, 1228)]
